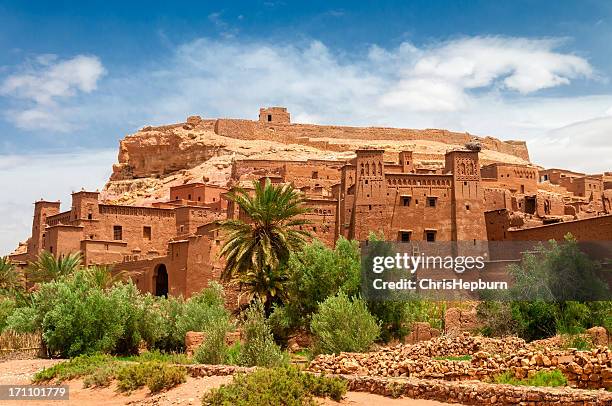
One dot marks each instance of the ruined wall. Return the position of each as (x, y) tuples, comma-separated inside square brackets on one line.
[(596, 228)]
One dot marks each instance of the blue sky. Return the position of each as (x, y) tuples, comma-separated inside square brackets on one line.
[(76, 77)]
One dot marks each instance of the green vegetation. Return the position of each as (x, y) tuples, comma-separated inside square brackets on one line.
[(557, 290), (259, 348), (540, 378), (9, 279), (342, 324), (155, 375), (75, 368), (279, 386), (48, 268), (256, 252), (101, 370)]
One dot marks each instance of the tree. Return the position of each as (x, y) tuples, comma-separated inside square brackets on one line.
[(9, 279), (256, 251), (318, 272), (48, 268)]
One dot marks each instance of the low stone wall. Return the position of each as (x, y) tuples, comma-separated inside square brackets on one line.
[(583, 369), (476, 392), (490, 357), (201, 370)]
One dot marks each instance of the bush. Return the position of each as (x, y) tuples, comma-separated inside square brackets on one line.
[(75, 368), (155, 375), (7, 307), (318, 272), (173, 317), (344, 325), (540, 378), (259, 348), (496, 318), (278, 386), (213, 350)]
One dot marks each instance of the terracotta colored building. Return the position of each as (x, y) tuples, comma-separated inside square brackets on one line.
[(171, 246)]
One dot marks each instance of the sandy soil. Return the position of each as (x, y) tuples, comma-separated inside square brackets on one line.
[(189, 393)]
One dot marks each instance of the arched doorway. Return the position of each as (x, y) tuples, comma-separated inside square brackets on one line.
[(160, 281)]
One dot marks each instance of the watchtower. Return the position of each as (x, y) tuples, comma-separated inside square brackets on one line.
[(274, 115)]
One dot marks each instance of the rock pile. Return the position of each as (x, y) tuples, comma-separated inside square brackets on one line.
[(476, 392), (583, 369), (490, 357)]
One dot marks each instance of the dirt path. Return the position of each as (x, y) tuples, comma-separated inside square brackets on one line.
[(189, 393)]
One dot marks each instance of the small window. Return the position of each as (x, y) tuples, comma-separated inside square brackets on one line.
[(405, 200), (431, 201), (405, 236), (430, 236), (188, 197), (200, 199), (467, 207), (269, 117), (117, 233), (314, 229), (146, 232), (89, 216), (315, 175)]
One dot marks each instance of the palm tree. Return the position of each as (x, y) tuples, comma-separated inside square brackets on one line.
[(257, 250), (102, 276), (48, 268), (9, 279)]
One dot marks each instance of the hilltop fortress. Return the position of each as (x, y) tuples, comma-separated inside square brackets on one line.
[(155, 217)]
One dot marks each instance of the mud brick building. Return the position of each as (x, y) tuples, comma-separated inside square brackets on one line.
[(169, 244)]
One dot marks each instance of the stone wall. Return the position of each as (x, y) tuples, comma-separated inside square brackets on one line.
[(489, 357)]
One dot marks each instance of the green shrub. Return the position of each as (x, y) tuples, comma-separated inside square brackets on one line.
[(278, 386), (155, 375), (343, 325), (259, 348), (540, 378), (281, 323), (7, 307), (101, 376), (578, 341), (213, 350), (496, 318), (233, 354), (174, 316), (318, 272), (156, 355), (75, 368)]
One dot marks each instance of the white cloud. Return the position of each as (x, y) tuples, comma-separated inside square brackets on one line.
[(27, 178), (47, 82)]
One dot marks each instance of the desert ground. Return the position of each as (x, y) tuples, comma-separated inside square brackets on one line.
[(21, 371)]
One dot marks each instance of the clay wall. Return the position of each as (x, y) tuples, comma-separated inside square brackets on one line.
[(189, 218), (62, 239), (322, 220), (516, 178), (105, 252), (495, 198), (417, 204), (274, 115), (234, 128), (42, 212), (199, 194), (591, 229)]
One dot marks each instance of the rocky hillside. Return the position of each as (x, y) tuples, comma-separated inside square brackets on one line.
[(156, 158)]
